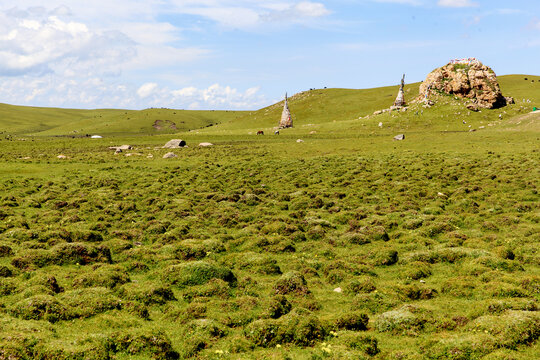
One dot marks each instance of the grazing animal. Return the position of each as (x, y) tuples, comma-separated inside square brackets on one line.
[(276, 132), (260, 132)]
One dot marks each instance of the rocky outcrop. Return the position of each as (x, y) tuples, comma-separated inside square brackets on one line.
[(466, 79)]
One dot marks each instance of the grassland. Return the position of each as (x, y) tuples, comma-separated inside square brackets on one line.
[(348, 245)]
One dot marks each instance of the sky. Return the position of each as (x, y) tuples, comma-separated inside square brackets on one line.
[(245, 54)]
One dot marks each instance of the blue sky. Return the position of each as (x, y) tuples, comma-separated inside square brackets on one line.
[(245, 54)]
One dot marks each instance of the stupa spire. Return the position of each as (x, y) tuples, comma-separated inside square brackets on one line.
[(400, 99), (286, 119)]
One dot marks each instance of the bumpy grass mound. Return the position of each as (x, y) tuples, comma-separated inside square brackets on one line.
[(196, 273), (302, 329)]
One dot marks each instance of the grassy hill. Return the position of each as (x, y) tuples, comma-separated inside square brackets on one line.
[(315, 107), (54, 121), (342, 110)]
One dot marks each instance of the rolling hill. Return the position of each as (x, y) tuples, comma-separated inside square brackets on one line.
[(321, 107), (54, 121)]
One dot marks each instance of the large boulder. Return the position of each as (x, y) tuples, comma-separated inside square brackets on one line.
[(174, 144), (468, 79)]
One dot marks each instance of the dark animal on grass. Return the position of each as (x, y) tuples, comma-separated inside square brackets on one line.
[(260, 132)]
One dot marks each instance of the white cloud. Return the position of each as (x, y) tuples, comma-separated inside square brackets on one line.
[(93, 92), (456, 3), (311, 9), (185, 92), (41, 43), (245, 14), (219, 97), (149, 33), (235, 17), (106, 54), (147, 89)]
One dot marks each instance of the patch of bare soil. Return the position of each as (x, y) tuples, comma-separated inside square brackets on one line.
[(164, 124)]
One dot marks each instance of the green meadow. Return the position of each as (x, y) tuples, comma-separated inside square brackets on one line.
[(344, 245)]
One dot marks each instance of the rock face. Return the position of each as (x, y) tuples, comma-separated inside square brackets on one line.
[(468, 79)]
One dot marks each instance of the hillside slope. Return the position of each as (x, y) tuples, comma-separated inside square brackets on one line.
[(320, 107), (56, 121), (348, 109)]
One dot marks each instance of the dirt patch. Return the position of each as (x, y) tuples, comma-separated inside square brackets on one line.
[(164, 124)]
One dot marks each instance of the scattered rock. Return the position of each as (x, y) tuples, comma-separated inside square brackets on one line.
[(175, 144), (205, 144), (440, 194), (399, 137), (472, 106), (96, 137), (169, 155), (338, 290), (299, 141), (150, 156), (509, 100), (378, 112), (312, 132), (121, 147), (380, 124), (62, 156)]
